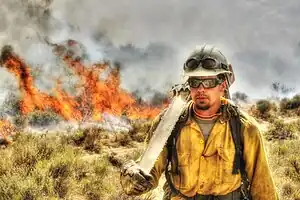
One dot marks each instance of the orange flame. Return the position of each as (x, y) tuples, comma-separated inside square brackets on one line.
[(97, 96), (6, 131), (32, 97)]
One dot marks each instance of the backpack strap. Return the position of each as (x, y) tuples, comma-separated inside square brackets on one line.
[(172, 156), (235, 127), (239, 162)]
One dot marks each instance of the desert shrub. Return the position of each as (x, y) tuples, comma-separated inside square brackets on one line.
[(57, 170), (89, 139), (20, 121), (139, 137), (35, 167), (284, 164), (280, 131), (140, 126), (139, 130), (43, 118), (294, 168), (124, 139), (263, 108), (96, 187), (11, 104), (283, 104), (115, 160), (289, 104), (51, 167)]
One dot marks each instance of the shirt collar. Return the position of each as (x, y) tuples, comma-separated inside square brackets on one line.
[(223, 118)]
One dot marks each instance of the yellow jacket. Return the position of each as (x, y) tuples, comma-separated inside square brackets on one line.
[(206, 168)]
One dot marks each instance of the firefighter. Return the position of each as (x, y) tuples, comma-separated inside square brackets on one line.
[(218, 151)]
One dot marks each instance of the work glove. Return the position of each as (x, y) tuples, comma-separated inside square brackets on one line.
[(134, 180)]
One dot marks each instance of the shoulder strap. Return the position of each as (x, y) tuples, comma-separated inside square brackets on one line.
[(239, 162), (235, 127), (172, 152), (171, 144)]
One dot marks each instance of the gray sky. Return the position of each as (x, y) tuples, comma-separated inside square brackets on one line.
[(260, 38)]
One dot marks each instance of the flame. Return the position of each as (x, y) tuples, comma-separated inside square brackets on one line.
[(33, 99), (96, 96), (6, 131)]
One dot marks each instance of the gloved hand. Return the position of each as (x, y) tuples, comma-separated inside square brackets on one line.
[(134, 180)]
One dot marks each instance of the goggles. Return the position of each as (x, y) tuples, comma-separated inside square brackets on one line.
[(207, 63), (207, 83)]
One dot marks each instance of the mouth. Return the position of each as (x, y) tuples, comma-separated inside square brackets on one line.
[(201, 97)]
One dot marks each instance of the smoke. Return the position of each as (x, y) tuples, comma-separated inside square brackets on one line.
[(152, 38)]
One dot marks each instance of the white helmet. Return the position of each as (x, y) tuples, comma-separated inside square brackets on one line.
[(208, 61)]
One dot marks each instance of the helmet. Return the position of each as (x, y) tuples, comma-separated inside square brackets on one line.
[(208, 60)]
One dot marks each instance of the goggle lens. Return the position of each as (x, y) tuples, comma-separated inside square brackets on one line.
[(207, 63), (207, 83)]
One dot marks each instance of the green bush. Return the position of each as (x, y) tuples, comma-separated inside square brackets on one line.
[(20, 121), (11, 104), (89, 139), (264, 108), (43, 118), (139, 130), (290, 104)]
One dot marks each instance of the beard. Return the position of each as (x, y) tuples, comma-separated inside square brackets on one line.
[(202, 106)]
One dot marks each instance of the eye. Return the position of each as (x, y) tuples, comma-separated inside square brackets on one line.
[(207, 83), (194, 83)]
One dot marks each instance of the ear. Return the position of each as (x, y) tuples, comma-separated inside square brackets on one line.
[(223, 86)]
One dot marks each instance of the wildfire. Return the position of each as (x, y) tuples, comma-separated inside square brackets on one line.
[(96, 95), (6, 132), (32, 98)]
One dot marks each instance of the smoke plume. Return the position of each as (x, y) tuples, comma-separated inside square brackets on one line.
[(152, 38)]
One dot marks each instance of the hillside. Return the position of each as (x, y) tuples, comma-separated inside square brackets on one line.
[(84, 163)]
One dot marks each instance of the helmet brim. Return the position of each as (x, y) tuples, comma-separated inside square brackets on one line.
[(205, 72)]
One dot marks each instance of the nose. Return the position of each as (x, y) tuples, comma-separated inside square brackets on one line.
[(201, 88)]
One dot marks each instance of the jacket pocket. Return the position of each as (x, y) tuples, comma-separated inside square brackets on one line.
[(182, 180), (225, 160)]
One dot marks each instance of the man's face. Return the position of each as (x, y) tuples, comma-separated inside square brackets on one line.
[(204, 98)]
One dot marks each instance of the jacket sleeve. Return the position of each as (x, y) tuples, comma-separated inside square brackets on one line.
[(262, 186)]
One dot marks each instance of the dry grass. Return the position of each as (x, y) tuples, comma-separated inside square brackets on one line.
[(282, 139), (54, 167), (279, 130), (85, 165), (285, 164)]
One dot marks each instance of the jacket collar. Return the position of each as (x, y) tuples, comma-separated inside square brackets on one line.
[(225, 109)]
